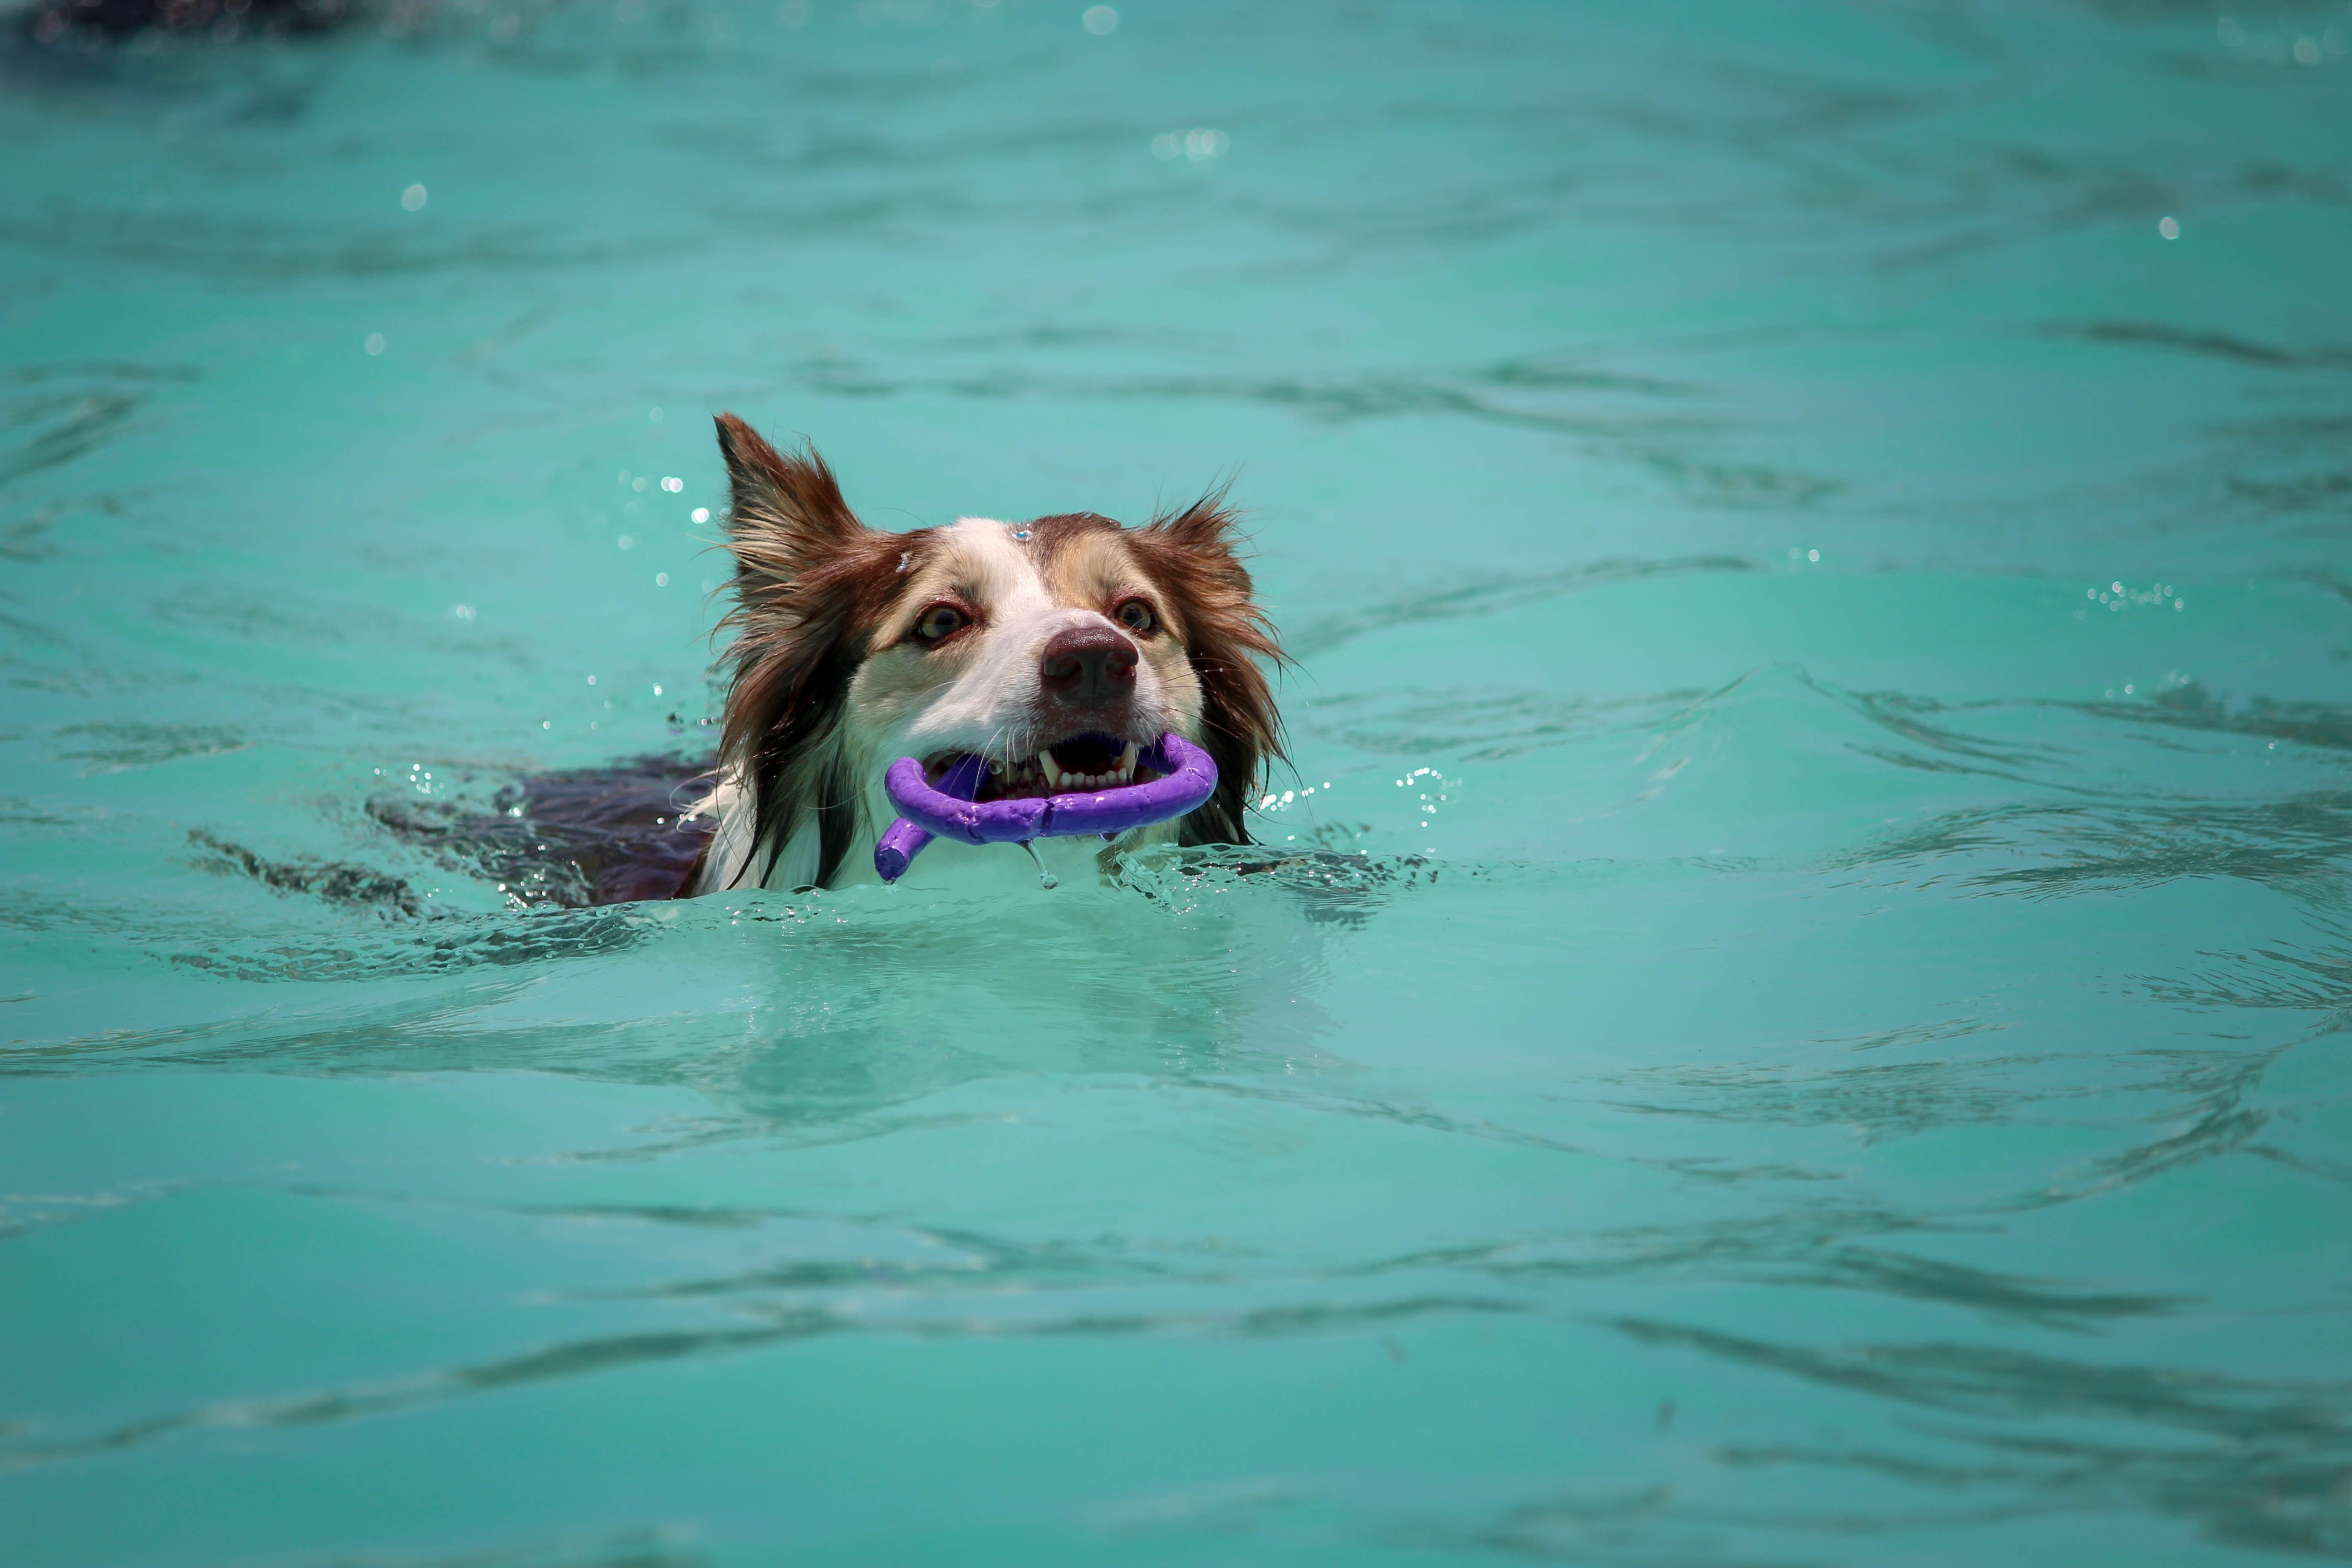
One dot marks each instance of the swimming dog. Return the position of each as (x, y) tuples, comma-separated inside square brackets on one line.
[(1055, 648)]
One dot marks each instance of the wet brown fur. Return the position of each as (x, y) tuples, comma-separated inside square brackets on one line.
[(812, 585), (1192, 556)]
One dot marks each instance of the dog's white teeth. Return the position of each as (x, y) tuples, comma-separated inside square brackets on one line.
[(1052, 769), (1127, 761)]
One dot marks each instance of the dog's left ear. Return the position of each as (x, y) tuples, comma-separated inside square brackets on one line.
[(787, 515), (1192, 555)]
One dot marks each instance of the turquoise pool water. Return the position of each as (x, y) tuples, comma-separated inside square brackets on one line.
[(1816, 1027)]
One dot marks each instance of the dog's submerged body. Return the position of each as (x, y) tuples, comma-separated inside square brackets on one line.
[(1055, 648)]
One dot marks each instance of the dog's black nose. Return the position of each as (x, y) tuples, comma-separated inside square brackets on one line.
[(1087, 665)]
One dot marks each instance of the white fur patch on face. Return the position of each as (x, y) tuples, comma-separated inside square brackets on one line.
[(981, 692)]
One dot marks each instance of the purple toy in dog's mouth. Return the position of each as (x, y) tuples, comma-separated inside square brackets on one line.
[(978, 801)]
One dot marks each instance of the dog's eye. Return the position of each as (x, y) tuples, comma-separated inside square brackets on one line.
[(1137, 616), (940, 621)]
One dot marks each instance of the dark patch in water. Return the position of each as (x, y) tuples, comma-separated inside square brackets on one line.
[(1889, 1099), (68, 25), (2316, 978), (2210, 345), (26, 537), (2257, 1463), (453, 944), (2302, 492), (609, 835), (336, 882), (573, 1359), (251, 250), (64, 427), (138, 745), (2053, 850), (2050, 1303)]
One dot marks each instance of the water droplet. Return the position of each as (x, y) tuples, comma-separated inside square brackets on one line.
[(413, 198), (1100, 20), (374, 344)]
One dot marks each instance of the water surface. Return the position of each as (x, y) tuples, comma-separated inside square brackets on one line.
[(1808, 1023)]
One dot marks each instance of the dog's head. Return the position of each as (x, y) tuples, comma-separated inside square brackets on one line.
[(1055, 648)]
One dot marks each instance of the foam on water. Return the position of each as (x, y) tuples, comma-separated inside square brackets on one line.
[(1792, 1007)]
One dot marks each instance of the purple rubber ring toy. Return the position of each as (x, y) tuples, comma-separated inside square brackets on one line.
[(948, 810)]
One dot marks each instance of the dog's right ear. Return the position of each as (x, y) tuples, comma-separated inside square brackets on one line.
[(786, 516), (810, 582)]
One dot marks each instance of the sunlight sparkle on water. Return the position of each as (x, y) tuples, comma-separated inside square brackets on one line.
[(1198, 146)]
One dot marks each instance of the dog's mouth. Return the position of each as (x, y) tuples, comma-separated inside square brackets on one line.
[(1088, 761)]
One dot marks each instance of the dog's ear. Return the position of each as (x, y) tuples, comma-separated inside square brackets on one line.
[(787, 514), (1192, 555), (810, 582)]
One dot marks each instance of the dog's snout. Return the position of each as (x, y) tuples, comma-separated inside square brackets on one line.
[(1087, 665)]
